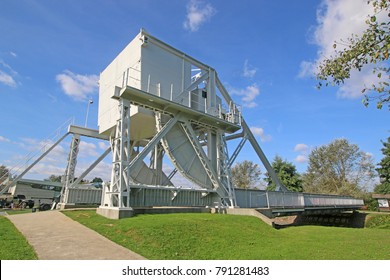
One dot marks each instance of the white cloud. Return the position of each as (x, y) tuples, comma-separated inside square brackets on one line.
[(197, 13), (301, 148), (258, 131), (102, 170), (306, 69), (337, 20), (249, 71), (3, 139), (55, 162), (104, 145), (43, 168), (353, 86), (13, 54), (8, 68), (77, 86), (88, 150), (303, 151), (37, 147), (7, 75), (301, 159), (52, 163), (7, 79), (248, 95), (370, 155)]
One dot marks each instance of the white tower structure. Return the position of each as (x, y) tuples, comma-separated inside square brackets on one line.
[(157, 101)]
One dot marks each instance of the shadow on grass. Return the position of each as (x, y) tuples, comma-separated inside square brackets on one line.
[(347, 220)]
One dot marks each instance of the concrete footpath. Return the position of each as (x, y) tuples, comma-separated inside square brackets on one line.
[(54, 236)]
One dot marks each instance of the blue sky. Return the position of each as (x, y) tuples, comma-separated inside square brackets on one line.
[(51, 54)]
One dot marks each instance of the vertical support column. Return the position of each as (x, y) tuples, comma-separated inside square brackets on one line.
[(158, 163), (224, 172), (212, 148), (211, 94), (116, 200), (70, 168)]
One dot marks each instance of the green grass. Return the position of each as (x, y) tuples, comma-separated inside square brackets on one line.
[(13, 244), (378, 221), (211, 236)]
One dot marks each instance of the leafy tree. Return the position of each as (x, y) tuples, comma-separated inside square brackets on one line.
[(287, 173), (338, 168), (97, 180), (384, 170), (372, 47), (246, 174), (82, 181), (54, 178), (4, 172)]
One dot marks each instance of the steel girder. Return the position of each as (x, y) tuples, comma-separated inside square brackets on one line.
[(249, 135), (120, 175), (71, 167)]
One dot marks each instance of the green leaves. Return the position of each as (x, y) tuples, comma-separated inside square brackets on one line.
[(246, 174), (371, 48), (384, 169), (338, 168), (287, 173)]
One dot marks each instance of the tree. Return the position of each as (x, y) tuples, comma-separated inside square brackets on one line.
[(338, 168), (287, 173), (54, 178), (384, 170), (4, 173), (372, 47), (246, 174), (97, 180)]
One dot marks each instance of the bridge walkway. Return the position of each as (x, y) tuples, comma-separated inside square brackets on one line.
[(54, 236)]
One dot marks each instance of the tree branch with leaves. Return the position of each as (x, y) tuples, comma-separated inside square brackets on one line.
[(371, 48)]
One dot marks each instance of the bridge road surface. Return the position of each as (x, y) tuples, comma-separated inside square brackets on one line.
[(54, 236)]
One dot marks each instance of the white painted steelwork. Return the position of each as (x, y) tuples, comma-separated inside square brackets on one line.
[(177, 107), (157, 101), (250, 198)]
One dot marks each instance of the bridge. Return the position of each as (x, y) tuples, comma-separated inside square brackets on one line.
[(158, 102)]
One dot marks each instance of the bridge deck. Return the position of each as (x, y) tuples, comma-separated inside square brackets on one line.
[(277, 203)]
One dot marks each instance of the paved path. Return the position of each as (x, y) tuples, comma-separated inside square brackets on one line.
[(54, 236)]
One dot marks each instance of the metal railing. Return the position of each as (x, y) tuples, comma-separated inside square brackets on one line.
[(191, 99), (294, 200)]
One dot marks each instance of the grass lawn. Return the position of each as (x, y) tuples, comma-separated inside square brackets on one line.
[(380, 221), (211, 236), (13, 244)]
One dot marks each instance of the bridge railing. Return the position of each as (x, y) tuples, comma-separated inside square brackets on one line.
[(284, 200), (324, 200)]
